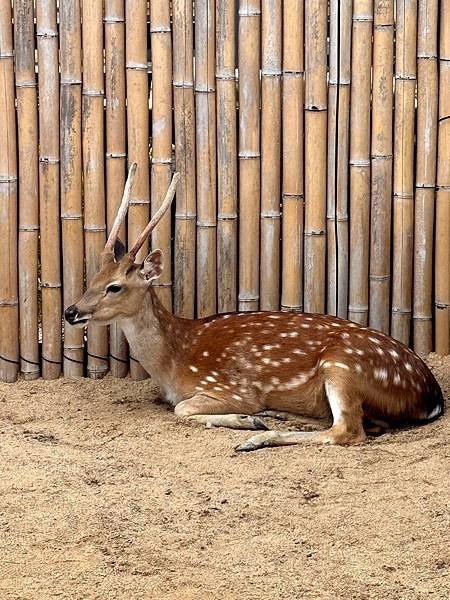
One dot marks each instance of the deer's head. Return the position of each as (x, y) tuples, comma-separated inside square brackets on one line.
[(121, 284)]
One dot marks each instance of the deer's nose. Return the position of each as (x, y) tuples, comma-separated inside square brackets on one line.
[(71, 314)]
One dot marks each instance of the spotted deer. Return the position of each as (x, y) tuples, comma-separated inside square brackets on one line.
[(228, 370)]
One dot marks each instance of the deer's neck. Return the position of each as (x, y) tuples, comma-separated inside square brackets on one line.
[(156, 338)]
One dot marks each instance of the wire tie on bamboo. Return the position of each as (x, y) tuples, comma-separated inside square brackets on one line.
[(441, 305), (205, 90), (13, 302), (292, 73), (405, 78), (121, 360), (362, 18), (425, 186), (31, 362), (359, 162), (138, 202), (161, 161), (441, 119), (291, 195), (426, 56), (381, 156), (401, 311), (70, 359), (314, 233), (6, 55), (8, 360), (293, 309), (379, 277), (50, 285), (226, 77), (8, 178), (53, 362), (105, 358)]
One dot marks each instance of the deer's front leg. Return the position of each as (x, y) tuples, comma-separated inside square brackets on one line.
[(215, 412)]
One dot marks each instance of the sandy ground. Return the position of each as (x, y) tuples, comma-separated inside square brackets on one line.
[(105, 494)]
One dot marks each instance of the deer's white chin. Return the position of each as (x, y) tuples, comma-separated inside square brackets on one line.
[(81, 321)]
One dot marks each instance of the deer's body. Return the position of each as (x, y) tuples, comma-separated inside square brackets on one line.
[(225, 369)]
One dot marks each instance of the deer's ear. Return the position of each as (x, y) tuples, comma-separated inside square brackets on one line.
[(153, 265), (119, 250)]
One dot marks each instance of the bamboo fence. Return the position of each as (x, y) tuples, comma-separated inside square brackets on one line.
[(313, 142)]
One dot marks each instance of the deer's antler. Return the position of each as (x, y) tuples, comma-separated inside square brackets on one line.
[(121, 213)]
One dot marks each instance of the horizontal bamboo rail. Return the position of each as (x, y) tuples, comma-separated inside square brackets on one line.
[(312, 139)]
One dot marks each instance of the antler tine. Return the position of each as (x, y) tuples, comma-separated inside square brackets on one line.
[(157, 216), (121, 213)]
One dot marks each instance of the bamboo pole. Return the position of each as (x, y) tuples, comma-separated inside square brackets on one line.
[(226, 156), (358, 309), (184, 115), (71, 213), (271, 64), (403, 180), (338, 148), (249, 152), (426, 144), (161, 44), (315, 154), (292, 149), (93, 170), (138, 128), (442, 264), (27, 134), (205, 113), (9, 310), (115, 149), (381, 164), (49, 207)]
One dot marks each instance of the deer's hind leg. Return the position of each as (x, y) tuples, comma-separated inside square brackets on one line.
[(347, 425), (215, 412)]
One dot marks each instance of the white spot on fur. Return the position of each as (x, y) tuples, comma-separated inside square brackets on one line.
[(374, 340), (286, 360), (210, 379), (283, 335), (205, 353), (397, 379), (275, 380), (199, 388), (341, 366), (334, 401), (236, 397), (408, 367), (348, 351), (358, 368), (193, 369), (217, 388), (266, 361), (380, 351), (380, 374), (298, 351)]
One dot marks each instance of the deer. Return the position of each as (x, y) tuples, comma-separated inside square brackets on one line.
[(233, 369)]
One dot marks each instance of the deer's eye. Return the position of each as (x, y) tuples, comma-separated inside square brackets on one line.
[(113, 289)]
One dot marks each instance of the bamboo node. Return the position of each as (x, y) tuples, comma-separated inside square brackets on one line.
[(185, 217), (51, 160), (362, 18), (421, 318), (204, 225), (95, 228), (71, 82), (293, 74), (184, 85), (227, 216), (205, 90), (8, 178), (11, 302), (400, 311), (381, 156), (161, 161), (442, 188), (94, 93), (315, 233), (246, 12), (161, 29), (49, 285), (441, 305), (26, 84), (249, 155), (405, 78), (226, 77), (359, 162), (292, 196), (267, 73), (25, 228), (139, 202), (358, 308), (71, 217), (6, 55), (46, 33), (425, 186), (403, 196), (270, 214), (292, 308), (247, 298), (314, 108), (426, 56), (112, 20), (116, 155), (132, 66), (373, 277)]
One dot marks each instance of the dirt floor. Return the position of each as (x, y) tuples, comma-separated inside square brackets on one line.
[(105, 494)]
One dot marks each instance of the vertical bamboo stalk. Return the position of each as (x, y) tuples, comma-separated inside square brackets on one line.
[(138, 128), (93, 170), (115, 149), (338, 140), (9, 310), (27, 133), (270, 154), (442, 264), (184, 115), (70, 141), (426, 136), (292, 168), (161, 44), (358, 309), (49, 209), (226, 156), (381, 163), (315, 154), (205, 113), (249, 152), (403, 183)]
